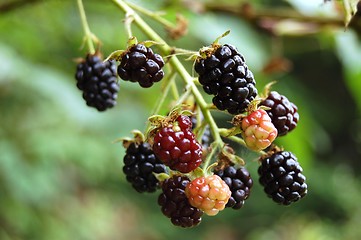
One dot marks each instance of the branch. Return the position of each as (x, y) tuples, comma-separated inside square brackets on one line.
[(258, 17)]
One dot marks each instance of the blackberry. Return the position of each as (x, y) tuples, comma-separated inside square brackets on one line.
[(176, 146), (98, 81), (282, 178), (258, 131), (175, 204), (139, 165), (239, 181), (208, 193), (140, 64), (282, 112), (225, 75)]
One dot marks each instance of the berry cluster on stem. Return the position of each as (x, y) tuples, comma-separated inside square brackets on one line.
[(184, 153)]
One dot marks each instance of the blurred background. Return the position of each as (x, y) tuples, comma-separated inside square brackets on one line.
[(61, 174)]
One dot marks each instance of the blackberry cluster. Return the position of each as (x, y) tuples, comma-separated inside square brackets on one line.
[(226, 75), (282, 112), (140, 64), (239, 182), (139, 165), (175, 204), (282, 178), (98, 81)]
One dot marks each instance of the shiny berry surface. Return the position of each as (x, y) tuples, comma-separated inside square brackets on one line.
[(139, 165), (225, 75), (140, 64), (282, 178)]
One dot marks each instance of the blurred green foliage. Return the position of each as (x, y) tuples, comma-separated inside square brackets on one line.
[(61, 174)]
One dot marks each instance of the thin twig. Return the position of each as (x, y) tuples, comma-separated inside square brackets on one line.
[(87, 32)]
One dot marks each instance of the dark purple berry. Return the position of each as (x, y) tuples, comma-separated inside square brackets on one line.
[(282, 178), (225, 75), (282, 112), (140, 64), (139, 165), (175, 204), (98, 81), (239, 182)]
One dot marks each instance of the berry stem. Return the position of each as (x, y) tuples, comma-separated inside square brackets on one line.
[(154, 15), (168, 84), (88, 34), (127, 25), (177, 65), (225, 133), (184, 96), (236, 139), (214, 147), (175, 90), (181, 51)]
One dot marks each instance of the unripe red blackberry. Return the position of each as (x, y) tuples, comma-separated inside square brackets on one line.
[(282, 178), (282, 112), (208, 193), (240, 183), (258, 131), (175, 204), (224, 73), (139, 165), (98, 81), (140, 64), (176, 146)]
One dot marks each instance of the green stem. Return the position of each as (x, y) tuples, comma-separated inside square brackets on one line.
[(127, 24), (87, 32), (237, 140), (177, 66), (214, 147), (198, 97), (184, 96), (224, 133), (155, 16), (169, 81), (164, 95), (175, 90)]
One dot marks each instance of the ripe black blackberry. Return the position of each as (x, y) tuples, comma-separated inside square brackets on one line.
[(239, 182), (98, 81), (224, 73), (140, 64), (282, 178), (175, 204), (139, 165), (282, 112)]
